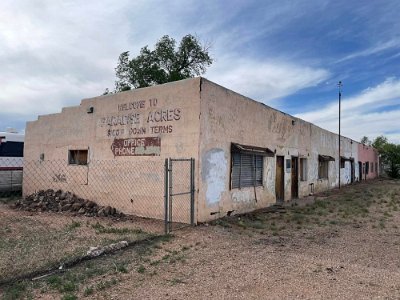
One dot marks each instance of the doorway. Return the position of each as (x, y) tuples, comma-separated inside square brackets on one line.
[(295, 177), (280, 177), (359, 171), (352, 171)]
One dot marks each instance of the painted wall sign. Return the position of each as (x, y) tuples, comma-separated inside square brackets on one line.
[(139, 118), (146, 146)]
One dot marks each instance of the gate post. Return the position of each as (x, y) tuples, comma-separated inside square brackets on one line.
[(166, 184), (170, 194), (192, 190)]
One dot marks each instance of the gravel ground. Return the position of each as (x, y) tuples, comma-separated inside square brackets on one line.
[(355, 260), (358, 258), (352, 263)]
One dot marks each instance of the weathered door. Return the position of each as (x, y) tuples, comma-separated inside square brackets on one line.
[(279, 182), (359, 170), (352, 171), (295, 178)]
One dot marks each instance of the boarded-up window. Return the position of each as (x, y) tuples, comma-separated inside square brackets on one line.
[(323, 166), (303, 169), (247, 170), (78, 157), (372, 167), (247, 165)]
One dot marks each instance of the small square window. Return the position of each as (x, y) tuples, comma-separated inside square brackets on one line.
[(342, 163), (78, 157), (288, 165)]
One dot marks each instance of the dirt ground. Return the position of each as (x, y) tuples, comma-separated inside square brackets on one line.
[(346, 245)]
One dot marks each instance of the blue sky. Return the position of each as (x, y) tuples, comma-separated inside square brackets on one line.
[(287, 54)]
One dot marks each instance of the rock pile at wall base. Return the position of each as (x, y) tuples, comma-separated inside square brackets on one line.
[(60, 201)]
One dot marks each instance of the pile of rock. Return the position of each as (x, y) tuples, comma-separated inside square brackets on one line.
[(60, 201)]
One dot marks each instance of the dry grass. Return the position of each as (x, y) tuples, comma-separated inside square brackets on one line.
[(30, 242), (345, 245)]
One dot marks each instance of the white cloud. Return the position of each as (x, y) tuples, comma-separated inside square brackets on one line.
[(358, 116), (379, 47), (264, 80)]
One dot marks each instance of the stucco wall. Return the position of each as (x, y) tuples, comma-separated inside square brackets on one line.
[(190, 118), (169, 112), (227, 117), (347, 150), (324, 142), (368, 154)]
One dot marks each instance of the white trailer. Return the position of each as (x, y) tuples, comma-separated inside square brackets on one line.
[(11, 160)]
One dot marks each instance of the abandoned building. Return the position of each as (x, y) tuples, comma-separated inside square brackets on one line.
[(246, 155)]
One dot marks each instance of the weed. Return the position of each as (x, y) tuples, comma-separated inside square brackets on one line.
[(175, 281), (69, 297), (73, 225), (15, 291), (112, 230), (68, 286), (257, 225), (102, 285), (120, 267), (88, 291), (155, 262), (141, 269), (223, 223)]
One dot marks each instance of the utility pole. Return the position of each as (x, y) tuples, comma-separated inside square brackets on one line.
[(340, 99)]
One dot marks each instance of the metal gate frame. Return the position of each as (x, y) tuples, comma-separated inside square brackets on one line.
[(169, 193)]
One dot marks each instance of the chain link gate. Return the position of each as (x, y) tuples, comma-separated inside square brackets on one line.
[(179, 193)]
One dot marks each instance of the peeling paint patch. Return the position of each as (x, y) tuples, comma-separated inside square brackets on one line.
[(214, 171)]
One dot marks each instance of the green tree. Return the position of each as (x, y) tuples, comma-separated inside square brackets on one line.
[(165, 63), (389, 155), (379, 142), (365, 140)]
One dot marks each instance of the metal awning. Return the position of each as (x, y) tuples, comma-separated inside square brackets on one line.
[(251, 150), (325, 158), (347, 158)]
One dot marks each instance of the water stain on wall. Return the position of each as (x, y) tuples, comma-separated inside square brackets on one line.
[(214, 170)]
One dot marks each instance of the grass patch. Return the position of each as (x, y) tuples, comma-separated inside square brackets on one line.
[(15, 291), (141, 269), (73, 225), (101, 229)]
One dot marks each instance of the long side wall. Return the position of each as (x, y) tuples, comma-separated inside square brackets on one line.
[(157, 122), (227, 117)]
